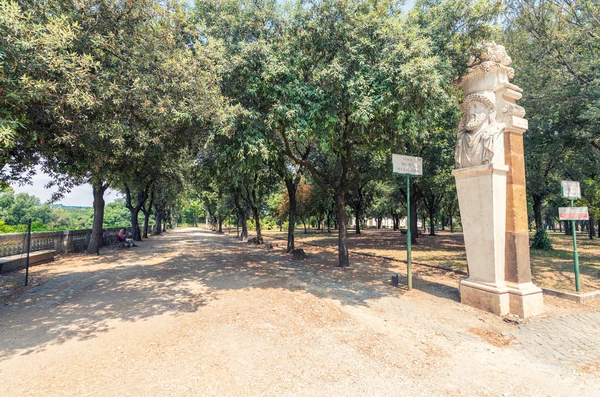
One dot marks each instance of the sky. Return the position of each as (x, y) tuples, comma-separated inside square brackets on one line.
[(80, 196)]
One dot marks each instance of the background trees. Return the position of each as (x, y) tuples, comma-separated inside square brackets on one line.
[(555, 44), (350, 77), (218, 110), (128, 88)]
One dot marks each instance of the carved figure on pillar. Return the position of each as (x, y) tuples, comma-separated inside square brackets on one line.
[(477, 132)]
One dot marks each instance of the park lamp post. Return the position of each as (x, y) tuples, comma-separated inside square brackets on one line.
[(407, 166)]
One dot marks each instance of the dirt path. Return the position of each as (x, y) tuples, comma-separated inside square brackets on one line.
[(194, 313)]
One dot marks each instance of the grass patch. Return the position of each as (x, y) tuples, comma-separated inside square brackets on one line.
[(550, 269)]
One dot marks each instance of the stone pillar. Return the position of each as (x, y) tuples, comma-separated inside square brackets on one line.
[(69, 247), (526, 299), (59, 242), (482, 197), (490, 181)]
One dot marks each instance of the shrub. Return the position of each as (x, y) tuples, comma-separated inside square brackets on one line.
[(541, 241)]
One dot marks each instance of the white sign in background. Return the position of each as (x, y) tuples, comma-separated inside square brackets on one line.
[(407, 165), (573, 214), (570, 189)]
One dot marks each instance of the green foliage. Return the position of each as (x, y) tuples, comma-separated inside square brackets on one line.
[(17, 209), (541, 241), (555, 45), (116, 214)]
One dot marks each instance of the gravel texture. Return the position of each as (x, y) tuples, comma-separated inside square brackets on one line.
[(194, 313)]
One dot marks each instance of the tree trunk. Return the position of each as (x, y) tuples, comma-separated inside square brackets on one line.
[(431, 223), (343, 259), (96, 239), (142, 196), (537, 212), (135, 229), (220, 222), (291, 189), (243, 221), (357, 217), (592, 227), (568, 231), (256, 214), (241, 217), (146, 222), (451, 224), (158, 217), (379, 223)]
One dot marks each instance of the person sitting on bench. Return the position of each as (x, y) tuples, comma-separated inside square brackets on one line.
[(123, 239)]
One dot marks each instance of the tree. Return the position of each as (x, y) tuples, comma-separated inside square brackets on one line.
[(248, 162), (18, 209), (108, 81), (565, 38), (438, 161), (305, 200), (371, 166), (331, 82), (450, 207), (38, 69)]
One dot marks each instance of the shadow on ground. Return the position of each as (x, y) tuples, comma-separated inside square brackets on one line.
[(175, 274)]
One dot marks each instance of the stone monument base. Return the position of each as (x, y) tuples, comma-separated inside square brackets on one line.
[(526, 300), (484, 296)]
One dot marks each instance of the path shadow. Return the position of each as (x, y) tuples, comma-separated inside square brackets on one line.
[(175, 274)]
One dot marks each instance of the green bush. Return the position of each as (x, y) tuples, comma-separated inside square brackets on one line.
[(541, 241)]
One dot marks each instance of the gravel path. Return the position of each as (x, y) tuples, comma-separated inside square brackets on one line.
[(193, 313)]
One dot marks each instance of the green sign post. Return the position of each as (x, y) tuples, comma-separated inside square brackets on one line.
[(572, 191), (575, 253), (407, 165)]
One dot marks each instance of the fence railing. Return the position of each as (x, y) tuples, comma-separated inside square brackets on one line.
[(63, 241)]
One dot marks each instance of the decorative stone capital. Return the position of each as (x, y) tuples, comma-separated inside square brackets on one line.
[(480, 136)]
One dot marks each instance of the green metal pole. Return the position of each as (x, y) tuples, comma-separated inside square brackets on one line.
[(575, 253), (408, 236), (28, 250)]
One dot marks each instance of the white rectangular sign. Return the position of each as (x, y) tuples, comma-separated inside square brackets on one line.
[(570, 189), (573, 213), (407, 165)]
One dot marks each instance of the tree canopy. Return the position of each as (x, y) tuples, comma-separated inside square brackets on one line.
[(281, 112)]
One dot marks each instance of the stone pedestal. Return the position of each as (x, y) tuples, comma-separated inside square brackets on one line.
[(482, 199), (485, 297), (526, 300)]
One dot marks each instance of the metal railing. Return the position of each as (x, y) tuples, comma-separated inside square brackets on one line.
[(63, 241)]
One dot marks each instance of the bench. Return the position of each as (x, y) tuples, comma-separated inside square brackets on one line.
[(16, 262), (114, 242)]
